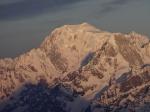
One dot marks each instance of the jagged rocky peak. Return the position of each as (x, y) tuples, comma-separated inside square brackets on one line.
[(78, 65)]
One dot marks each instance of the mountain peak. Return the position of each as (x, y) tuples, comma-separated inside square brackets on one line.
[(79, 27)]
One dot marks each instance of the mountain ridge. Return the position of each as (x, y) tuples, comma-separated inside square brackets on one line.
[(88, 61)]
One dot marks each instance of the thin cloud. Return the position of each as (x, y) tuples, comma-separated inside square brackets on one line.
[(113, 5), (29, 8)]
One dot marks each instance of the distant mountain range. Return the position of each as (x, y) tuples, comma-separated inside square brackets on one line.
[(79, 68)]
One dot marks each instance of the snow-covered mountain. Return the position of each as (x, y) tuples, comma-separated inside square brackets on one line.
[(79, 68)]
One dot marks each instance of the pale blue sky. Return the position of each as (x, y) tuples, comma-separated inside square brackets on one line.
[(25, 23)]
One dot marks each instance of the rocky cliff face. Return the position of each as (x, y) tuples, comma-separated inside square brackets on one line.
[(79, 68)]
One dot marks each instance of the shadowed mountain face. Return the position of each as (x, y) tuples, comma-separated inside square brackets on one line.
[(40, 98), (79, 68)]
